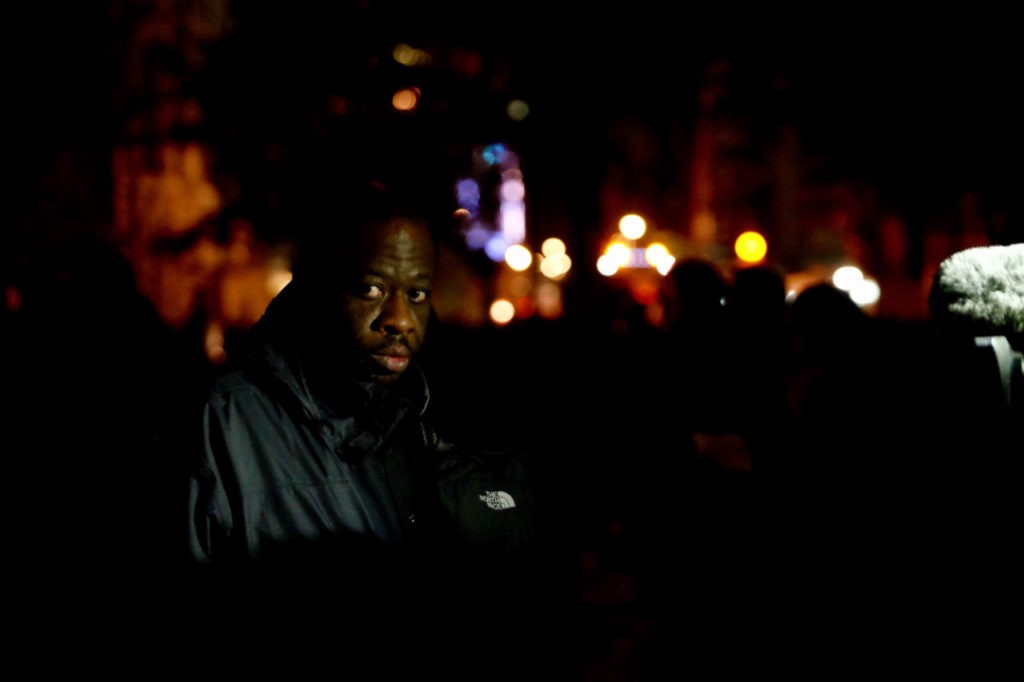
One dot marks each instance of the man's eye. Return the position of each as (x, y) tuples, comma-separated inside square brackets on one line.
[(419, 295), (370, 291)]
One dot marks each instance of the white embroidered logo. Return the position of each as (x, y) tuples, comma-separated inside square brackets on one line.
[(498, 499)]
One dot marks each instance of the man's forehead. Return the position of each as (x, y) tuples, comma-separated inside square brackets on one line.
[(399, 240)]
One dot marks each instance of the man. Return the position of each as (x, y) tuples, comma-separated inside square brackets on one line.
[(317, 433), (330, 521)]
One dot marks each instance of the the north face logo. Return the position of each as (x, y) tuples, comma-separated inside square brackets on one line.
[(498, 499)]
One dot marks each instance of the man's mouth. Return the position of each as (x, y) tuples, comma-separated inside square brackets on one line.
[(394, 359)]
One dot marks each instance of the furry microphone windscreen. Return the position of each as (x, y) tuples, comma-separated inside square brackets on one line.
[(980, 292)]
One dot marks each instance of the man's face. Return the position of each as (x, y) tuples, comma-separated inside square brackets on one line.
[(379, 311)]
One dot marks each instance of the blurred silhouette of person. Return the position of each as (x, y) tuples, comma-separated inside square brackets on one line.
[(97, 367), (827, 376), (831, 385), (759, 319), (845, 517), (697, 329), (342, 507), (689, 527)]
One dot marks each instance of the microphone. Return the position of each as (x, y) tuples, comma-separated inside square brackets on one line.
[(977, 296)]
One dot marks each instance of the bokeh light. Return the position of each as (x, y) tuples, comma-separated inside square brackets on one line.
[(406, 99), (502, 311), (552, 246), (632, 226), (517, 110), (847, 277), (751, 247), (518, 257)]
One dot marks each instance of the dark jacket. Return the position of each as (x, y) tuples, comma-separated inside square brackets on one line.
[(279, 468), (310, 527)]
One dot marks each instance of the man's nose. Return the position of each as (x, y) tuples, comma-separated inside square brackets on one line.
[(396, 316)]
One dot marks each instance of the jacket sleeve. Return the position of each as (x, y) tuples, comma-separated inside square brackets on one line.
[(210, 520)]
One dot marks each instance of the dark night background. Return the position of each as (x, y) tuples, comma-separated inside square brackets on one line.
[(880, 552), (922, 105)]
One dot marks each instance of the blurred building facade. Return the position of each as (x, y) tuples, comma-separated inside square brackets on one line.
[(195, 129)]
